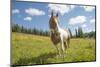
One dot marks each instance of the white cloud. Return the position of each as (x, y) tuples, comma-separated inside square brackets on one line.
[(15, 11), (28, 18), (88, 8), (92, 21), (84, 25), (34, 12), (62, 9), (77, 20)]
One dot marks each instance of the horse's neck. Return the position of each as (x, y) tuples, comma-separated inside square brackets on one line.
[(58, 27)]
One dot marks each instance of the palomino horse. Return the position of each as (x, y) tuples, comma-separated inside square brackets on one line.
[(59, 35)]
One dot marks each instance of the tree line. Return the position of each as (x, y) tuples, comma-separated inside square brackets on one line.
[(78, 32), (22, 29)]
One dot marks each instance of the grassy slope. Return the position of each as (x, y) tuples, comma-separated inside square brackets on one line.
[(31, 49)]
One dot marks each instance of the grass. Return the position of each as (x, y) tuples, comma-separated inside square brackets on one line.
[(32, 49)]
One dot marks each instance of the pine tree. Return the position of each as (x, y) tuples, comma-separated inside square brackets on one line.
[(80, 32), (76, 32), (70, 32)]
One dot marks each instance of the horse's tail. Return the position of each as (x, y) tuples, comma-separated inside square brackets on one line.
[(68, 42), (70, 34)]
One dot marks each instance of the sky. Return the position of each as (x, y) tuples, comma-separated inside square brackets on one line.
[(37, 15)]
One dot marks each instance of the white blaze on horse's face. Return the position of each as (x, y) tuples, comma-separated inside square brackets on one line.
[(56, 20), (53, 22)]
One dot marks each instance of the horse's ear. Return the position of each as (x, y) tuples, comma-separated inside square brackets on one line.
[(57, 14), (52, 13)]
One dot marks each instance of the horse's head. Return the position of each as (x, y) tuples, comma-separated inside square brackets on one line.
[(53, 21)]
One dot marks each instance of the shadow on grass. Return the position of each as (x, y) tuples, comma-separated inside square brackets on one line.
[(42, 59)]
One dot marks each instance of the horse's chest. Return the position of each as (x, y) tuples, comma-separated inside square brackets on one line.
[(55, 38)]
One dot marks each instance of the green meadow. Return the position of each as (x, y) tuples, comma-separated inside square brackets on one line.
[(34, 49)]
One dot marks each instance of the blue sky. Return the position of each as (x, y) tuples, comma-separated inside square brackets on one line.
[(37, 15)]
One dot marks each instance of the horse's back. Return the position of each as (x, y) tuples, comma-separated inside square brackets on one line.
[(65, 33)]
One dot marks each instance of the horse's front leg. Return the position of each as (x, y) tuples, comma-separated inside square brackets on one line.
[(58, 52), (62, 46)]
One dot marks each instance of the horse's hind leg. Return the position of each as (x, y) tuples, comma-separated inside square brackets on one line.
[(65, 45)]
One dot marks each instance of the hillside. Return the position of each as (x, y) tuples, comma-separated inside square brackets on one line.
[(32, 49)]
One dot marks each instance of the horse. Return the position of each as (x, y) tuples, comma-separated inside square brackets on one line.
[(59, 35)]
